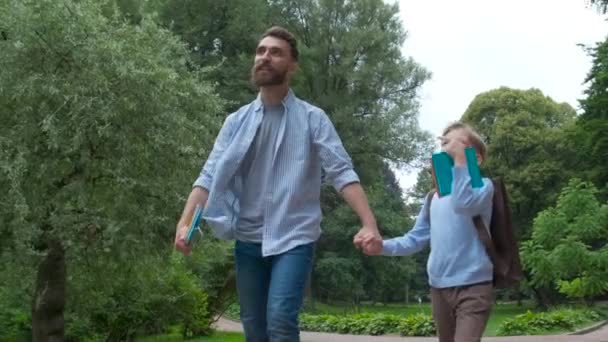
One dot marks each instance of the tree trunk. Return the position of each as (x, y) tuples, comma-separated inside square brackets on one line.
[(542, 299), (49, 299)]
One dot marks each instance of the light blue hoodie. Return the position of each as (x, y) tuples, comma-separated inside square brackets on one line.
[(458, 257)]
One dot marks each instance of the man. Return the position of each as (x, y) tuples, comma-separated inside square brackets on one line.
[(261, 186), (460, 271)]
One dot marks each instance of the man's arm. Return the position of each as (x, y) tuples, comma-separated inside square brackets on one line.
[(200, 192), (355, 197), (338, 169)]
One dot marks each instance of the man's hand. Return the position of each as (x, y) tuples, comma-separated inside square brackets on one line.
[(198, 196), (373, 246), (180, 239), (368, 240)]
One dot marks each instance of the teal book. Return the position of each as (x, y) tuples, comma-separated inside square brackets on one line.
[(442, 165), (195, 223), (474, 172)]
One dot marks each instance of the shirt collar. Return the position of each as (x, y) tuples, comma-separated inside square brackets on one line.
[(288, 101)]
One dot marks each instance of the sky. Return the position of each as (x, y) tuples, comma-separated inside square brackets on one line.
[(472, 46)]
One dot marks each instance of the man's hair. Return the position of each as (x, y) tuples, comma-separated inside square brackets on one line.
[(281, 33), (473, 137)]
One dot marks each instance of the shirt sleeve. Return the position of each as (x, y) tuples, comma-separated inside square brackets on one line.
[(414, 240), (335, 161), (467, 200), (222, 141)]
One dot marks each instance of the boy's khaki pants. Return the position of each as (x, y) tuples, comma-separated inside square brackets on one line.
[(461, 313)]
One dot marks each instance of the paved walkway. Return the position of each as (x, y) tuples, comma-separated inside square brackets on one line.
[(600, 335)]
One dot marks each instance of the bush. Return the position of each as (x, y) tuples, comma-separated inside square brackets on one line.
[(531, 323), (417, 325), (369, 324), (15, 298), (15, 325), (195, 310), (150, 296)]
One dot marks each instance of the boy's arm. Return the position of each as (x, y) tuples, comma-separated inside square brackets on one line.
[(414, 240), (467, 200)]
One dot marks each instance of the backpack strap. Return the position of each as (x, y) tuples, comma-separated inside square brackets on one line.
[(485, 238), (484, 235), (427, 204)]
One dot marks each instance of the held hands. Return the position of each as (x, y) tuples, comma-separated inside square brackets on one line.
[(369, 240)]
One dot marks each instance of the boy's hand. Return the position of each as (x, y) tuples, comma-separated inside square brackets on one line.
[(455, 148), (372, 247)]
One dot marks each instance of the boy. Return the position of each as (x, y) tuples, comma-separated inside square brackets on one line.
[(460, 271)]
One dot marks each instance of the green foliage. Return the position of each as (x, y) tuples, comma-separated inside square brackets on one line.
[(101, 130), (212, 263), (591, 133), (103, 124), (15, 324), (569, 248), (148, 296), (222, 33), (531, 323), (16, 286), (417, 325), (369, 324), (215, 337)]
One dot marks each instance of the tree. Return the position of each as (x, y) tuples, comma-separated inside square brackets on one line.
[(102, 121), (591, 135), (601, 5), (527, 146), (222, 34), (569, 248)]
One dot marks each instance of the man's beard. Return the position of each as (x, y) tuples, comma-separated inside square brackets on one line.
[(264, 75)]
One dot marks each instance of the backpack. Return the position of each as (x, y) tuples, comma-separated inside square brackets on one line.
[(501, 244)]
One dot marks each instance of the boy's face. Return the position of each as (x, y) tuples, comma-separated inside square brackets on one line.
[(455, 141)]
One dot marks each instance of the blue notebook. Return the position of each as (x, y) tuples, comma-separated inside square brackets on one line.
[(195, 223), (441, 168)]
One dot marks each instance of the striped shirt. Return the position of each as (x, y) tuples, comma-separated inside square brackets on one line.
[(307, 145)]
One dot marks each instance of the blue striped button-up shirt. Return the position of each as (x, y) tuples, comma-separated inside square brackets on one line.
[(307, 145)]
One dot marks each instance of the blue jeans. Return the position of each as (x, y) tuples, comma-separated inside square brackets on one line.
[(271, 290)]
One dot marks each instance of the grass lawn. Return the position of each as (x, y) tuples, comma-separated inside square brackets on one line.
[(216, 337)]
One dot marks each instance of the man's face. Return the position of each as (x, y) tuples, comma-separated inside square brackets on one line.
[(273, 64)]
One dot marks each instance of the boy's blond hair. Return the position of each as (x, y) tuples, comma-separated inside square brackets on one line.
[(473, 137)]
